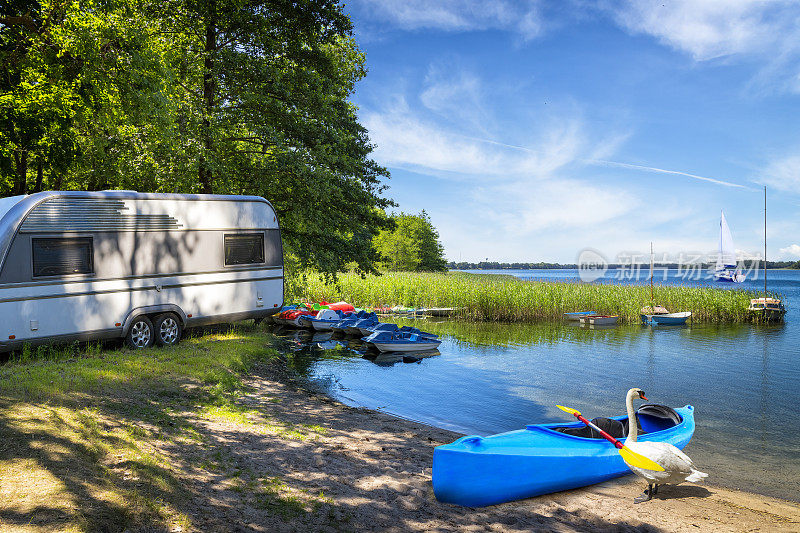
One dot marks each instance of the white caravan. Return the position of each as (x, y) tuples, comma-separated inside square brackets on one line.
[(92, 265)]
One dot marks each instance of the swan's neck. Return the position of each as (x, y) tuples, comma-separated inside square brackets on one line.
[(633, 425)]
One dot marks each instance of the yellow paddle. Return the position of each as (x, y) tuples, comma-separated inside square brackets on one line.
[(632, 458)]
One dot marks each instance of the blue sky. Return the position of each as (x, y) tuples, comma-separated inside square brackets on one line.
[(530, 130)]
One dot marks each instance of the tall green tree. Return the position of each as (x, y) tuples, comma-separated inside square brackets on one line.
[(78, 82), (266, 111), (245, 97), (413, 244)]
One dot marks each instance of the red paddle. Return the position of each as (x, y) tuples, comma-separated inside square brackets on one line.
[(630, 457)]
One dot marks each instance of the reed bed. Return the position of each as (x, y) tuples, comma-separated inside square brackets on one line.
[(501, 298)]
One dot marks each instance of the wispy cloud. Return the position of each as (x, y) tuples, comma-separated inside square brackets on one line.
[(456, 95), (522, 18), (765, 30), (665, 171), (783, 174), (408, 140), (605, 148)]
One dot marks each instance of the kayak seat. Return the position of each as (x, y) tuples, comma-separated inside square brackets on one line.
[(613, 427), (654, 417), (651, 417)]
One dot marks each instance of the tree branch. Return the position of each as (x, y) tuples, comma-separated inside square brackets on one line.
[(25, 20)]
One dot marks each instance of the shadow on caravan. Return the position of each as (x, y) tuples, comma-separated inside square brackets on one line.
[(121, 264)]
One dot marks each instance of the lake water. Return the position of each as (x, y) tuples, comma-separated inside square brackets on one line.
[(743, 380)]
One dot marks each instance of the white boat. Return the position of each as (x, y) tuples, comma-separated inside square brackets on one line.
[(726, 268), (599, 320), (670, 319), (408, 346), (324, 320)]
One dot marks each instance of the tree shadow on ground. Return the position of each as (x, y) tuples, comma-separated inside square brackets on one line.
[(154, 456)]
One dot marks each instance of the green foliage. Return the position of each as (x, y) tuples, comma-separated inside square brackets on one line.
[(192, 96), (412, 245), (505, 298)]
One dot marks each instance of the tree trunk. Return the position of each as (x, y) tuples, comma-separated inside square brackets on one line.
[(39, 175), (21, 176), (58, 184), (205, 174)]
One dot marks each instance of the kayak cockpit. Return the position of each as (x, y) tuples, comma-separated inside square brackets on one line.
[(651, 417)]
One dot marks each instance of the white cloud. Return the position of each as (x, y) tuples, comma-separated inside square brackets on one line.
[(763, 30), (783, 174), (455, 15), (712, 28), (792, 251), (406, 140)]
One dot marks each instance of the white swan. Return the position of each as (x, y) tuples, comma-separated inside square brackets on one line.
[(678, 467)]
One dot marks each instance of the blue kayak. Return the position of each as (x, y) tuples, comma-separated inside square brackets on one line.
[(477, 471)]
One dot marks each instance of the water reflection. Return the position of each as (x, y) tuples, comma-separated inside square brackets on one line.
[(309, 347)]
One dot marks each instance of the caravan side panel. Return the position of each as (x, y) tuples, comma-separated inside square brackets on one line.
[(146, 253)]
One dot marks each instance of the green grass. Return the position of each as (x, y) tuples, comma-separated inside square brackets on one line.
[(505, 298), (81, 429)]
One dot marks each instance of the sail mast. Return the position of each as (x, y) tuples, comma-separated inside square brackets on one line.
[(652, 300), (765, 240)]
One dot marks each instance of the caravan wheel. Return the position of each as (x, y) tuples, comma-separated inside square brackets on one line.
[(168, 329), (140, 334)]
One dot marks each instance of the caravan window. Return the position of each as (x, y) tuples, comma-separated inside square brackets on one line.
[(58, 257), (244, 249)]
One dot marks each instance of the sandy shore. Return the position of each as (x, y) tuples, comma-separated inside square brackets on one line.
[(371, 471)]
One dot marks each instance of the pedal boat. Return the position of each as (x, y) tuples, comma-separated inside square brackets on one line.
[(387, 341)]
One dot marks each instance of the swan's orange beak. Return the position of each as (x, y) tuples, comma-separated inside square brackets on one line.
[(642, 396)]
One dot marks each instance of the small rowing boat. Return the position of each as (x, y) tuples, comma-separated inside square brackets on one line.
[(543, 458), (670, 319), (599, 320)]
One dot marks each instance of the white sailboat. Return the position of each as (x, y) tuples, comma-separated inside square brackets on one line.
[(726, 269)]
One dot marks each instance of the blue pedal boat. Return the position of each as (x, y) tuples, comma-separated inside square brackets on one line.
[(363, 320), (478, 471), (388, 341)]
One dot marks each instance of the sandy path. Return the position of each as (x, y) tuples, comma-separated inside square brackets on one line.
[(371, 471)]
